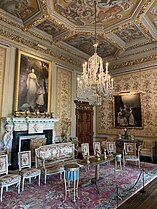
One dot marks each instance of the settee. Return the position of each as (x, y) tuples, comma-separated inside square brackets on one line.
[(52, 158)]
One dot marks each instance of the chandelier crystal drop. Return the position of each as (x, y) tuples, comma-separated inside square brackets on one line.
[(95, 82)]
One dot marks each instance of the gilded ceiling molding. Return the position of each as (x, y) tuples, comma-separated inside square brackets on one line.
[(62, 37), (58, 23), (137, 52), (134, 62), (140, 44), (36, 22), (18, 26), (144, 7), (16, 38), (43, 38), (28, 43), (69, 51), (119, 28), (44, 7), (143, 27), (113, 43), (10, 22), (44, 16)]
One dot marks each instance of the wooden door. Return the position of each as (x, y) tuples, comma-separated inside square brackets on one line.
[(84, 123)]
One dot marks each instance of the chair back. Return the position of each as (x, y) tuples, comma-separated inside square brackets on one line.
[(111, 147), (130, 149), (85, 149), (97, 147), (24, 159), (148, 144), (4, 164)]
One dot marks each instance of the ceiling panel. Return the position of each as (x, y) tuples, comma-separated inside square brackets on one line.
[(52, 29), (85, 44)]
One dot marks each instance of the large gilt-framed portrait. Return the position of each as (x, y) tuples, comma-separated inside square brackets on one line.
[(127, 110), (32, 83)]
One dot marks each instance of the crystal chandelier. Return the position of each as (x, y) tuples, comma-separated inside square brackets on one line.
[(95, 82)]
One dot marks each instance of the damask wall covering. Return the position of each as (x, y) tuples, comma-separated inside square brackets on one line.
[(2, 67), (144, 81), (63, 101)]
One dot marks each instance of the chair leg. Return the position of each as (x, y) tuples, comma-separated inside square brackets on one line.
[(6, 188), (74, 190), (65, 183), (39, 180), (1, 193), (23, 181), (45, 175), (77, 188), (30, 180), (61, 176), (18, 188), (45, 178)]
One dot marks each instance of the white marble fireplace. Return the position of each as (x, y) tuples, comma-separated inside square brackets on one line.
[(28, 128)]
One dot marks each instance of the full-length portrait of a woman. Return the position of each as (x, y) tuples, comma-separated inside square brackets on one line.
[(32, 86)]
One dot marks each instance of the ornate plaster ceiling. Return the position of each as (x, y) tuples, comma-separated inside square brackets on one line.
[(121, 24)]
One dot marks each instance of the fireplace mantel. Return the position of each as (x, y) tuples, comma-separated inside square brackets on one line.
[(32, 125), (27, 128)]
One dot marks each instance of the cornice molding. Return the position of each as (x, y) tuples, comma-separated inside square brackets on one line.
[(32, 33), (135, 64), (27, 42)]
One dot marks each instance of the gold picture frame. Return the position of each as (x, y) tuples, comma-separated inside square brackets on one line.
[(128, 110), (33, 84)]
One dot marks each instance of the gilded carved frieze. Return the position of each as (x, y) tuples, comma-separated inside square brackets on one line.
[(63, 101), (27, 42), (128, 63), (144, 82)]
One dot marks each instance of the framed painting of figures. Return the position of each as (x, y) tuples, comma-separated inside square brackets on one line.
[(32, 83), (127, 110)]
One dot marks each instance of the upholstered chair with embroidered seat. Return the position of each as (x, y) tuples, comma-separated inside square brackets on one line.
[(85, 150), (6, 179), (111, 147), (25, 169), (148, 149), (131, 153)]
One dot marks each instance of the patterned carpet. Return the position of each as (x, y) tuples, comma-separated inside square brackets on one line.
[(51, 195)]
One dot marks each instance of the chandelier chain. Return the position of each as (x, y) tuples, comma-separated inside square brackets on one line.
[(95, 82)]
